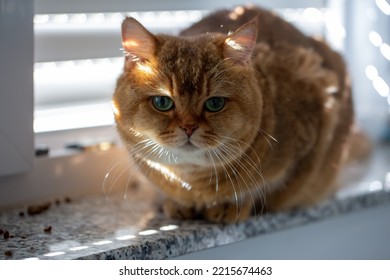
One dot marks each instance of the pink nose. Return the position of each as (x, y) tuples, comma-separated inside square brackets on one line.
[(189, 129)]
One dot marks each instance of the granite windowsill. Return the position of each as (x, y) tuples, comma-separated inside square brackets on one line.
[(111, 227)]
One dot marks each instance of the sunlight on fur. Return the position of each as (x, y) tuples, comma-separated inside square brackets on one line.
[(115, 109), (130, 43), (233, 44), (169, 175), (146, 69)]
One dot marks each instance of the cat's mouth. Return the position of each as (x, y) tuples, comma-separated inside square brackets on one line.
[(189, 147)]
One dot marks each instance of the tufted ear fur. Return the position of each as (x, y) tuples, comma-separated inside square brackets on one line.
[(239, 45), (138, 43)]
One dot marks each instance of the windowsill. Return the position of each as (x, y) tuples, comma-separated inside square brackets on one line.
[(97, 227), (116, 227)]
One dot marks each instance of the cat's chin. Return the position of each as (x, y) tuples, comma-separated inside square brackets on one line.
[(186, 154), (189, 147)]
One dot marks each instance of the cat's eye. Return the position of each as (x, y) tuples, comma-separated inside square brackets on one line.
[(162, 103), (214, 104)]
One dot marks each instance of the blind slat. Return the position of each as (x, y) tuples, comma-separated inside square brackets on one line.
[(102, 6)]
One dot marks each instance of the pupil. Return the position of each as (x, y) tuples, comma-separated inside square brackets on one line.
[(216, 102), (163, 101)]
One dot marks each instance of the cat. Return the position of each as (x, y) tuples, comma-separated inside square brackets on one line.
[(239, 114)]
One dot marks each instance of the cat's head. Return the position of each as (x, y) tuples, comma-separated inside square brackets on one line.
[(187, 99)]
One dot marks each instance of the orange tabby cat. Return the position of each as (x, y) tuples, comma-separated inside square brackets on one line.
[(227, 124)]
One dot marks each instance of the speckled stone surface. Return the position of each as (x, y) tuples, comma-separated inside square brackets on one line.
[(97, 228), (101, 227)]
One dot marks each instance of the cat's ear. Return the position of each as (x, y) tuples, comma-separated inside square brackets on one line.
[(239, 45), (138, 43)]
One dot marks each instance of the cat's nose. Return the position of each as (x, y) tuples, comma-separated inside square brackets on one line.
[(189, 129)]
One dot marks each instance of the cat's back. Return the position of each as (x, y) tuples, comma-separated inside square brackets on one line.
[(272, 30)]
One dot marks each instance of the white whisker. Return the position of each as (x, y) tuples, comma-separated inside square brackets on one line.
[(210, 156), (247, 165), (218, 155)]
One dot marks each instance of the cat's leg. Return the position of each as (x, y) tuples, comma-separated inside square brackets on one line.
[(175, 210), (228, 213), (225, 213)]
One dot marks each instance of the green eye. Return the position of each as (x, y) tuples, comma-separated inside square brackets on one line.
[(214, 104), (162, 103)]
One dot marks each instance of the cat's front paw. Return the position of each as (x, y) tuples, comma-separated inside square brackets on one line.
[(227, 213), (177, 211)]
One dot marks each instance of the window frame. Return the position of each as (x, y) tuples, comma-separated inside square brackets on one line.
[(16, 87)]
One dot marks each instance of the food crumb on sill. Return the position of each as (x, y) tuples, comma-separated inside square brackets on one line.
[(47, 229), (6, 235), (8, 253), (38, 209)]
